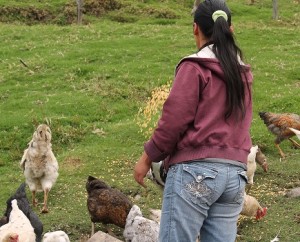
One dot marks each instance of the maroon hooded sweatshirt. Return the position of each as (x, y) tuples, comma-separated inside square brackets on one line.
[(192, 125)]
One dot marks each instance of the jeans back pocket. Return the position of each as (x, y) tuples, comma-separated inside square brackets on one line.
[(198, 183)]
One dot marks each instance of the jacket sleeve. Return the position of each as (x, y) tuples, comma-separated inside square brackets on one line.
[(178, 112)]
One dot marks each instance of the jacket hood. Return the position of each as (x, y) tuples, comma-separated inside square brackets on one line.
[(207, 59)]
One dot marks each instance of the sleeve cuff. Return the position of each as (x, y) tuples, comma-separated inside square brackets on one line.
[(155, 155)]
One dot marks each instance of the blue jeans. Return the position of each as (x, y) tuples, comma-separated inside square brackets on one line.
[(202, 197)]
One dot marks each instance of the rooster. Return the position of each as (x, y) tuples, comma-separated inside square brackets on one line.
[(39, 164), (106, 205), (279, 125), (251, 207)]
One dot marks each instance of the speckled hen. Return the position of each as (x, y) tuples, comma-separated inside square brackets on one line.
[(106, 205), (279, 125)]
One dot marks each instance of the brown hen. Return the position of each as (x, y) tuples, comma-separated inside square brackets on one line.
[(279, 125), (106, 205)]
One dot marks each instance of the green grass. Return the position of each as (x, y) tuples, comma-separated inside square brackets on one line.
[(97, 76)]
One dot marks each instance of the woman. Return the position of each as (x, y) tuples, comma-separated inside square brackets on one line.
[(203, 135)]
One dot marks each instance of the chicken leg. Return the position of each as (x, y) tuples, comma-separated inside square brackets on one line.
[(45, 208), (294, 143), (248, 188), (93, 229), (34, 200), (280, 151), (110, 232)]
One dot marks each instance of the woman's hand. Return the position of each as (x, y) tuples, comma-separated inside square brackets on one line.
[(141, 168)]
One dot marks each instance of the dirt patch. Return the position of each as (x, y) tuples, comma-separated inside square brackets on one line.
[(148, 11), (99, 7), (72, 163)]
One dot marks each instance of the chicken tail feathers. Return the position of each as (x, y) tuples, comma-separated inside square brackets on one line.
[(23, 160)]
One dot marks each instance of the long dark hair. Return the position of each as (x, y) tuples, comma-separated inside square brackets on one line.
[(225, 49)]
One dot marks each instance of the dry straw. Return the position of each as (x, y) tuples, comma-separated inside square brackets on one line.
[(148, 115)]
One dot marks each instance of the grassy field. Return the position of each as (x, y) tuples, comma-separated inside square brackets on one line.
[(91, 80)]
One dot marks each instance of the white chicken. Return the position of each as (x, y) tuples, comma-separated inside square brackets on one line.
[(251, 166), (56, 236), (18, 225), (251, 207), (261, 159), (139, 228), (155, 214), (11, 237), (39, 164)]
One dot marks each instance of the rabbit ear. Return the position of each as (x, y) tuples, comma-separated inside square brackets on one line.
[(48, 121), (196, 4)]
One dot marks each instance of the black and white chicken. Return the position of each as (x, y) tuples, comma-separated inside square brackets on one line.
[(157, 173)]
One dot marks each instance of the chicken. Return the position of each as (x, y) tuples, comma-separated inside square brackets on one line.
[(39, 164), (155, 214), (138, 228), (11, 237), (106, 205), (279, 125), (157, 173), (18, 224), (3, 220), (251, 166), (23, 204), (261, 159), (297, 132), (56, 236), (251, 207)]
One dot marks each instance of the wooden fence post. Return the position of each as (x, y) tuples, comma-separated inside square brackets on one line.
[(275, 9), (79, 11)]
